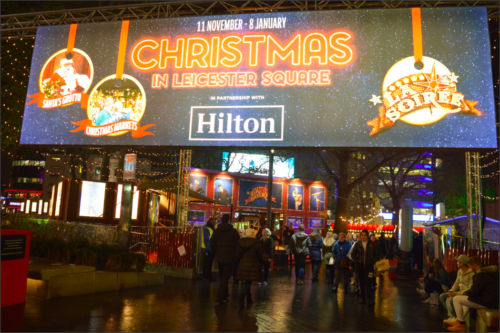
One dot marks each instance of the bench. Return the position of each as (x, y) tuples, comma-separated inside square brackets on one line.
[(482, 320)]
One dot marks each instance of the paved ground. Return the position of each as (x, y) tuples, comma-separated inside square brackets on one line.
[(185, 305)]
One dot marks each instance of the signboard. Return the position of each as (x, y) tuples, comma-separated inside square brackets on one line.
[(295, 221), (92, 199), (254, 194), (316, 223), (13, 247), (130, 162), (258, 164), (198, 183), (58, 198), (360, 78), (223, 190), (295, 197), (196, 217), (317, 199)]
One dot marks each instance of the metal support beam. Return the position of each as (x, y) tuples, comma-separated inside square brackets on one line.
[(25, 25), (474, 197), (183, 199)]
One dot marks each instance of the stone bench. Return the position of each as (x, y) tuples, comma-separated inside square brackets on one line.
[(482, 320), (47, 280)]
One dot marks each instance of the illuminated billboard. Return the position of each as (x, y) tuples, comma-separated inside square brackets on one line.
[(92, 199), (350, 78), (258, 164)]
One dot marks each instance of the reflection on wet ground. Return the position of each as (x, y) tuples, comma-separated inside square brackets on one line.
[(185, 305)]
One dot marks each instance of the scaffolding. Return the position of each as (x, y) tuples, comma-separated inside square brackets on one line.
[(25, 25)]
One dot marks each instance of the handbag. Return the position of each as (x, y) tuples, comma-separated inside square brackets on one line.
[(382, 265)]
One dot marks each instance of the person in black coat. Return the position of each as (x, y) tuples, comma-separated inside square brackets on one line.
[(250, 255), (223, 244), (483, 294), (383, 245), (287, 237), (267, 243)]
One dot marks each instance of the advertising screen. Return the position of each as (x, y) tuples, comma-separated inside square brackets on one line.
[(351, 78), (294, 221), (254, 194), (92, 199), (196, 217), (258, 164)]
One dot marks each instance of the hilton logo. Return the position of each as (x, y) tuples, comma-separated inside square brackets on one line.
[(237, 123)]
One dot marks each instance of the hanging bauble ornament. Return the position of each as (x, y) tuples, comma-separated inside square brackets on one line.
[(418, 90), (108, 113), (65, 77)]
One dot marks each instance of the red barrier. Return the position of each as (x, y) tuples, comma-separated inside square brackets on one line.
[(488, 257), (15, 257), (168, 253)]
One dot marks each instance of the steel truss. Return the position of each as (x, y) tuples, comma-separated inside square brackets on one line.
[(26, 24), (474, 196), (183, 189)]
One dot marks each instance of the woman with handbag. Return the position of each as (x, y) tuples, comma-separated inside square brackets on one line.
[(328, 256), (267, 244), (340, 251)]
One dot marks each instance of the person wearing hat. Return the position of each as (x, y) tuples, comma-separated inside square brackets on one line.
[(462, 283), (70, 80), (483, 294)]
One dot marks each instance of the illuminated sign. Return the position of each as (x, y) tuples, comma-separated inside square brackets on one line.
[(28, 205), (58, 198), (416, 217), (258, 164), (45, 207), (40, 207), (92, 199), (135, 202), (297, 79)]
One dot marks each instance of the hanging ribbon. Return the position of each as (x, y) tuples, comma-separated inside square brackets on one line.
[(417, 34), (122, 50), (71, 39)]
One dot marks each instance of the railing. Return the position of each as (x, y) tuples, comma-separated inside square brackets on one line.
[(453, 246), (160, 245)]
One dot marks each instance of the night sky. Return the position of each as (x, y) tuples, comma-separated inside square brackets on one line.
[(329, 116)]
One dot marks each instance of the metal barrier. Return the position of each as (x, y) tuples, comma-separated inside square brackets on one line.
[(161, 245)]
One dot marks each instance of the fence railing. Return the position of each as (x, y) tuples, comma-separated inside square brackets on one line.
[(456, 245), (161, 245)]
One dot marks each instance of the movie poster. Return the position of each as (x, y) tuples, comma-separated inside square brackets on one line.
[(316, 223), (294, 221), (254, 194), (196, 217), (295, 197), (223, 190), (317, 199), (198, 183)]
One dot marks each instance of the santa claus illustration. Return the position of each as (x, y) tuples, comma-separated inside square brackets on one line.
[(69, 80)]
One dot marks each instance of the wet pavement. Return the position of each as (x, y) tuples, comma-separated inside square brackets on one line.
[(186, 305)]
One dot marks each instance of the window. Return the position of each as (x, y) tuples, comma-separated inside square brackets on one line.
[(371, 195), (364, 194), (358, 207), (352, 208)]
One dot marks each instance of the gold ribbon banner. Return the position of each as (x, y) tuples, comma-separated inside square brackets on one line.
[(382, 122)]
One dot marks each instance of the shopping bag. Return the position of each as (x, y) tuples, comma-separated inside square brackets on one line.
[(287, 250), (331, 262), (434, 298), (182, 250), (382, 265)]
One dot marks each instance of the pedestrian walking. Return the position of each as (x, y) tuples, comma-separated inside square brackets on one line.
[(249, 253), (315, 253), (383, 245), (287, 236), (300, 245), (328, 257), (208, 257), (364, 255), (376, 274), (267, 244), (223, 245), (341, 262)]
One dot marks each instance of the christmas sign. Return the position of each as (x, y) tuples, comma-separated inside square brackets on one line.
[(418, 78)]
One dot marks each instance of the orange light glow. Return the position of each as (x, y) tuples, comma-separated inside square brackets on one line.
[(232, 51)]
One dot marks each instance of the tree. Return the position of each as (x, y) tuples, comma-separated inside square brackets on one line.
[(401, 179), (345, 179)]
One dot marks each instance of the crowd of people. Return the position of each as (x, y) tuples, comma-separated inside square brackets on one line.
[(349, 259), (247, 254)]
